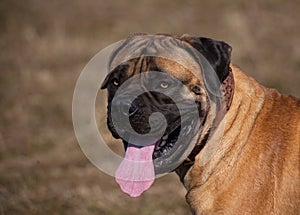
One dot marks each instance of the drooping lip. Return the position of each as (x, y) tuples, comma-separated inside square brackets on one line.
[(181, 149), (166, 145)]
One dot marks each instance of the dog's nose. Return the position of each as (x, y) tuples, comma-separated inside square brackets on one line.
[(128, 108)]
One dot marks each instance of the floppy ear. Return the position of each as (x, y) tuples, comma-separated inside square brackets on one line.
[(218, 53)]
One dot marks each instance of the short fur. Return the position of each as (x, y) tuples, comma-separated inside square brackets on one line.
[(256, 166)]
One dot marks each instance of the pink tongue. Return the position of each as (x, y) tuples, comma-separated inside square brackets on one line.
[(136, 172)]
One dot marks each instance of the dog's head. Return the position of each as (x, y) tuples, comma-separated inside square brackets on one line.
[(174, 88)]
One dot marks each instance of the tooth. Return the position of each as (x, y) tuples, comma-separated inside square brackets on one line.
[(189, 129), (165, 137), (163, 143)]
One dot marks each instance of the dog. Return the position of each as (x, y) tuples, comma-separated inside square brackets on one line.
[(243, 153)]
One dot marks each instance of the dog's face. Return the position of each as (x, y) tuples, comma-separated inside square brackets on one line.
[(155, 94), (178, 82)]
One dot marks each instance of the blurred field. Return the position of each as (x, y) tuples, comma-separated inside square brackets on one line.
[(45, 45)]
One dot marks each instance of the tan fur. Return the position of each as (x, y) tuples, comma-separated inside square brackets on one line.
[(256, 167)]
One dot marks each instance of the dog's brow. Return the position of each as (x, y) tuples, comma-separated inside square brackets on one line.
[(121, 68)]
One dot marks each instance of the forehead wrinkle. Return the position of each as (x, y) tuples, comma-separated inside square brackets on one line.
[(175, 69), (145, 67), (138, 66)]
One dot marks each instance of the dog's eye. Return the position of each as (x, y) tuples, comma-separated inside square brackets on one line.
[(115, 82), (164, 85)]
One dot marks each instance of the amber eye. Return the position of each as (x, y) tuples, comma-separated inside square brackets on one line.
[(164, 85), (116, 82)]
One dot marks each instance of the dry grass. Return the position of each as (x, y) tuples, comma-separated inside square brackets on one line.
[(45, 45)]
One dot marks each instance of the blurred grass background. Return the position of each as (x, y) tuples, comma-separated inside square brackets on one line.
[(45, 45)]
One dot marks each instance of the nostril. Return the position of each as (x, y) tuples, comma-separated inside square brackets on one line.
[(127, 108), (133, 109)]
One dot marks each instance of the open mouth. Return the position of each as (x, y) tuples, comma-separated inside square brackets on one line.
[(176, 136), (169, 142), (136, 173), (166, 143)]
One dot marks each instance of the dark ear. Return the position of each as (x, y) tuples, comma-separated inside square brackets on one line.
[(217, 53)]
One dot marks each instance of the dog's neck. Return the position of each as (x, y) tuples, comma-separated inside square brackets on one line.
[(227, 90), (226, 131)]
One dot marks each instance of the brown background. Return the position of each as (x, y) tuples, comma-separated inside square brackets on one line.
[(44, 45)]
